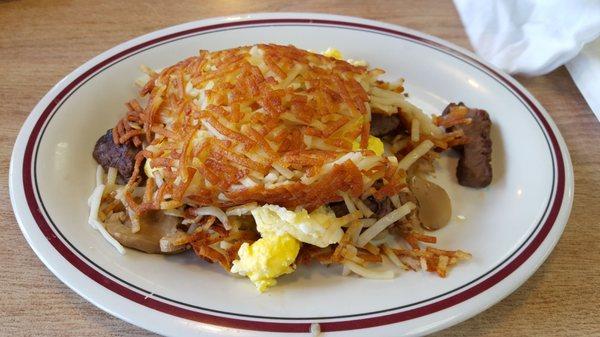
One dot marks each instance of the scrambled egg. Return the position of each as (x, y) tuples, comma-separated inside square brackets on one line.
[(320, 228), (332, 52), (335, 53), (282, 231), (375, 144), (266, 259)]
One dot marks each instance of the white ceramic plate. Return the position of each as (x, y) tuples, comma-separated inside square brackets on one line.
[(509, 227)]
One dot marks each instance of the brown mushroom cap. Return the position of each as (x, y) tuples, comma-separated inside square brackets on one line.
[(153, 227), (435, 208)]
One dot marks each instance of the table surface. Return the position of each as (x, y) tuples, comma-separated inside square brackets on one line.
[(42, 41)]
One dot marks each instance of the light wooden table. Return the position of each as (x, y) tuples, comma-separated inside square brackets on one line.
[(42, 41)]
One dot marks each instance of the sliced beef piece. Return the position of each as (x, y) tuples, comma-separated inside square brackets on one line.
[(407, 196), (384, 125), (339, 208), (385, 206), (474, 166), (122, 157), (380, 208)]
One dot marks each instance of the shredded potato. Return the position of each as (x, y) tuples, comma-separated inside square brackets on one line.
[(349, 203), (384, 222), (415, 154), (368, 273), (94, 204), (415, 130), (222, 134), (306, 104)]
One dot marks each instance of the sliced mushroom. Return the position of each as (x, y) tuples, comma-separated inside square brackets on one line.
[(435, 208), (154, 227)]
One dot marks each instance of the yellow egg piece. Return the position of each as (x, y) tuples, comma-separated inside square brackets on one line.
[(148, 169), (266, 259), (332, 52), (319, 228), (375, 144)]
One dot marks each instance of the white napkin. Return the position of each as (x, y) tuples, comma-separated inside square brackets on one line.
[(534, 37), (585, 70), (530, 37)]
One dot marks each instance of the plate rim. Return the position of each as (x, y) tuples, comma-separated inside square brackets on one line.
[(562, 212)]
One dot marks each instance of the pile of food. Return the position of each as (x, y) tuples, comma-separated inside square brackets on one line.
[(267, 157)]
